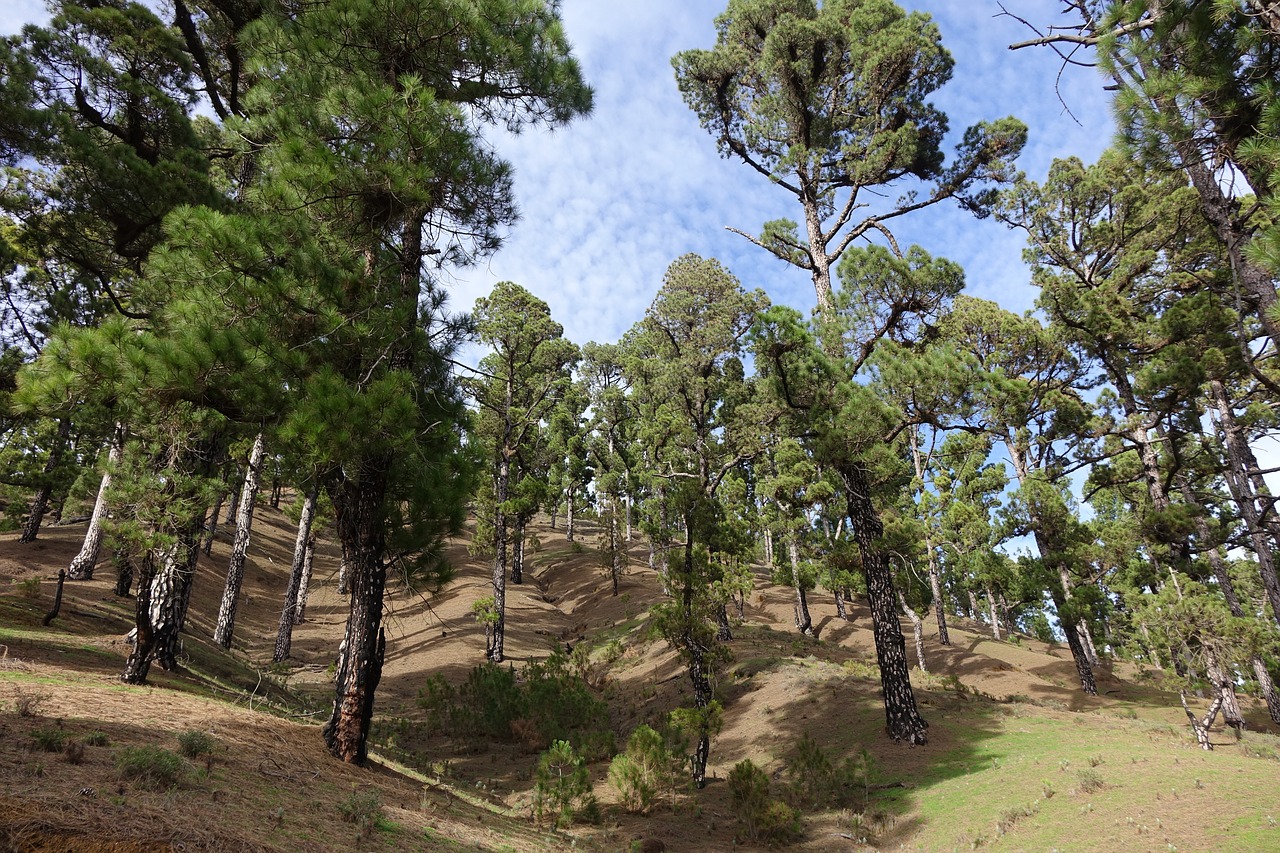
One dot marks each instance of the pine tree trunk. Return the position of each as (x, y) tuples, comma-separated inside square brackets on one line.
[(138, 663), (935, 585), (615, 552), (358, 509), (1006, 617), (724, 632), (975, 612), (568, 517), (1240, 460), (902, 718), (697, 657), (344, 572), (841, 610), (308, 562), (40, 504), (84, 562), (124, 572), (233, 508), (225, 628), (212, 527), (1201, 726), (57, 600), (768, 547), (170, 594), (517, 551), (297, 571), (804, 623), (995, 618), (627, 501), (1224, 687), (917, 628), (496, 651), (1083, 669)]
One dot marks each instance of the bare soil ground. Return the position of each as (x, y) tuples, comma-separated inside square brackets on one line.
[(1008, 729)]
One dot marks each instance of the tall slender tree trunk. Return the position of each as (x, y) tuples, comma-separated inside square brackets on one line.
[(975, 612), (804, 623), (568, 516), (991, 610), (496, 652), (304, 589), (1240, 461), (137, 665), (40, 504), (768, 547), (83, 563), (222, 633), (917, 628), (212, 528), (1083, 668), (517, 551), (902, 717), (293, 593), (234, 494), (357, 500), (842, 609), (124, 572), (697, 657)]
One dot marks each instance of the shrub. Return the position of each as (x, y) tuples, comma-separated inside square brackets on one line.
[(150, 766), (1090, 781), (551, 704), (28, 704), (193, 743), (763, 817), (97, 738), (28, 588), (562, 787), (363, 808), (50, 740), (817, 782), (644, 771)]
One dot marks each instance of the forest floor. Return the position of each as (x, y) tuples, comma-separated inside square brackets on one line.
[(1017, 759)]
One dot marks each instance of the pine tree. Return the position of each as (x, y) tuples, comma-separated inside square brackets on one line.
[(700, 420), (519, 385)]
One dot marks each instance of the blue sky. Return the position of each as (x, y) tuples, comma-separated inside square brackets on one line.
[(610, 201)]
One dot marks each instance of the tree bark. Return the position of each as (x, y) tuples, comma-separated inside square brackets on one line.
[(902, 717), (568, 516), (57, 600), (83, 563), (138, 663), (496, 651), (1240, 460), (697, 657), (357, 502), (804, 623), (124, 572), (917, 628), (40, 504), (293, 593), (991, 610), (212, 528), (1201, 726), (171, 593), (841, 609), (517, 551), (225, 628), (308, 563)]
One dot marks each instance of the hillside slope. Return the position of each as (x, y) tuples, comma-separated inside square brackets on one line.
[(1017, 758)]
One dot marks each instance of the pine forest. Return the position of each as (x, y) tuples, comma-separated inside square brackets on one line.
[(838, 544)]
